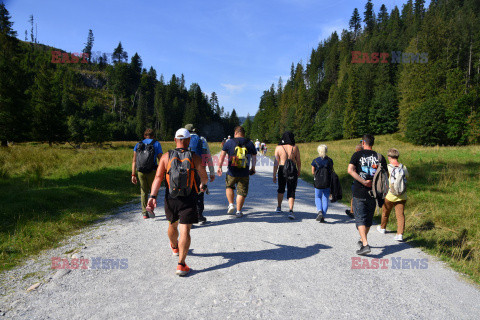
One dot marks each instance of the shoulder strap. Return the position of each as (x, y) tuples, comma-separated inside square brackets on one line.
[(152, 142), (288, 156), (380, 158)]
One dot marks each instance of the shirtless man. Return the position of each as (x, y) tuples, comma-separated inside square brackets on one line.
[(286, 149), (181, 211)]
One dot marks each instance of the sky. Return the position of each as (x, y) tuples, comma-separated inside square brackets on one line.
[(236, 48)]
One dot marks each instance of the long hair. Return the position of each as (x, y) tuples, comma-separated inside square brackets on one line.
[(322, 151)]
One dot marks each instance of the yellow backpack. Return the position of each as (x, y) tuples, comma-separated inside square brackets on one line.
[(240, 158)]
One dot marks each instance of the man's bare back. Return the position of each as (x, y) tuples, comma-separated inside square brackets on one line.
[(281, 154)]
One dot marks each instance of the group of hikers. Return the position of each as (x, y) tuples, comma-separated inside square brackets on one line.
[(184, 171)]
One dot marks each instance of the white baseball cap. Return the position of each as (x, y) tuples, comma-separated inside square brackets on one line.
[(182, 133)]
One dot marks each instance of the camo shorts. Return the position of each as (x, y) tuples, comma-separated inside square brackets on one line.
[(241, 183)]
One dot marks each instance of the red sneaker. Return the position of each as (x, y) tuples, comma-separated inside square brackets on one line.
[(174, 250), (145, 217), (182, 271)]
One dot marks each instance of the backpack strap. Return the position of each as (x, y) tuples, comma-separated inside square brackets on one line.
[(380, 158), (152, 142), (293, 151)]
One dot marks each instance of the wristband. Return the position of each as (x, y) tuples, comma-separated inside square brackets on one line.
[(133, 175), (152, 197)]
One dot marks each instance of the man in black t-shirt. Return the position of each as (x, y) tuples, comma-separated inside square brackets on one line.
[(238, 171), (362, 168)]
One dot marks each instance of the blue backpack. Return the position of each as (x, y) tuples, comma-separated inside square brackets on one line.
[(196, 144)]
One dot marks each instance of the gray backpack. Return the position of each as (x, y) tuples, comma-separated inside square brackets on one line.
[(181, 175), (398, 180), (380, 183)]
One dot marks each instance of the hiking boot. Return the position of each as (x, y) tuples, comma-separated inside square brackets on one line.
[(349, 213), (319, 216), (322, 220), (231, 209), (145, 216), (182, 270), (290, 215), (364, 250), (398, 237), (379, 229), (239, 214), (359, 244), (279, 210), (201, 219), (174, 250), (151, 214)]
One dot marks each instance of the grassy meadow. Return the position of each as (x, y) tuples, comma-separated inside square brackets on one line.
[(443, 207), (47, 193)]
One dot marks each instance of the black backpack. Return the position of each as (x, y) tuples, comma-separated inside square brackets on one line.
[(323, 175), (146, 157), (290, 170)]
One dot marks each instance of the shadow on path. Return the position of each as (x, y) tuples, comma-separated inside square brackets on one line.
[(281, 253), (390, 249)]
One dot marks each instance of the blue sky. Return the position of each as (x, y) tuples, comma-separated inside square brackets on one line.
[(236, 48)]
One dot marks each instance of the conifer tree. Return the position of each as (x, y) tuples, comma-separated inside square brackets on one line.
[(89, 45), (355, 23)]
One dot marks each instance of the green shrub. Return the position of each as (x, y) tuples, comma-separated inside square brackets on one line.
[(426, 125)]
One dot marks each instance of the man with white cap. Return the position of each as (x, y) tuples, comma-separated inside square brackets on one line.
[(178, 167)]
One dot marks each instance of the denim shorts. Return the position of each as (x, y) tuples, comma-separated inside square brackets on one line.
[(363, 210)]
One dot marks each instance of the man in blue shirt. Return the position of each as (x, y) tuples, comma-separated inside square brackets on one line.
[(146, 178), (238, 174)]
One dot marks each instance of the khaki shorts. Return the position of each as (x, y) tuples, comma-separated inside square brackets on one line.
[(240, 182)]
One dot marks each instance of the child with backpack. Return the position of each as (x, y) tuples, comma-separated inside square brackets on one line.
[(322, 168), (396, 196)]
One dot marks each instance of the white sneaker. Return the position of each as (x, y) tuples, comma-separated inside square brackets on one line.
[(379, 229), (239, 214), (399, 237), (279, 210), (231, 209)]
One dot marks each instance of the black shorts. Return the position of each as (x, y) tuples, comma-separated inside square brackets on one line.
[(290, 184), (363, 210), (181, 208)]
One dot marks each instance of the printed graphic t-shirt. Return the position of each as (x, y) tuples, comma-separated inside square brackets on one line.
[(229, 148), (366, 164)]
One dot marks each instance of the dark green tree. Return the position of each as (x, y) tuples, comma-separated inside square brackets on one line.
[(49, 122), (355, 23), (119, 55), (369, 17), (89, 45)]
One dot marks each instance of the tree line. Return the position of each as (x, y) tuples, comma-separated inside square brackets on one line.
[(415, 71), (97, 101)]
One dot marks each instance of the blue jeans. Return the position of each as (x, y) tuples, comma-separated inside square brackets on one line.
[(321, 199)]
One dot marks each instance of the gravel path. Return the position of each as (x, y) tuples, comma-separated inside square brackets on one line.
[(260, 266)]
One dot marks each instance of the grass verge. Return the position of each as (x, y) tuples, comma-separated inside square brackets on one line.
[(47, 193)]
